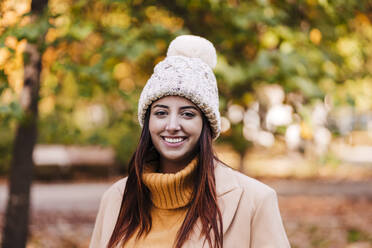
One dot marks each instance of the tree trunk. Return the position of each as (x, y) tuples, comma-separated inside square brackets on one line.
[(17, 212), (15, 231)]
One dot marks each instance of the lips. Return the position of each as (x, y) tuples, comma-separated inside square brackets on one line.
[(173, 141)]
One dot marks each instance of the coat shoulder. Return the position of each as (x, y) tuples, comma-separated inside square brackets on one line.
[(250, 186), (107, 214), (258, 205), (115, 191)]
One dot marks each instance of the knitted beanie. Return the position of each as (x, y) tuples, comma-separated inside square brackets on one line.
[(187, 72)]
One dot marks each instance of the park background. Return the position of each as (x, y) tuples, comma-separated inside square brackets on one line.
[(295, 85)]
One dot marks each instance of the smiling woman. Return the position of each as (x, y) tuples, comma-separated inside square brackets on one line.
[(178, 193)]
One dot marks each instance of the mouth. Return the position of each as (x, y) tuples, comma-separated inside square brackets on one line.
[(173, 140)]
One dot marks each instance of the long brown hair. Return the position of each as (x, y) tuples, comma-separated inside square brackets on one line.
[(136, 204)]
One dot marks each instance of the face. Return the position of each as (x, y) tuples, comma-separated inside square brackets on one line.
[(175, 125)]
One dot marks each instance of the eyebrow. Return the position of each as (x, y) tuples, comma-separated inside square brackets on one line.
[(166, 107)]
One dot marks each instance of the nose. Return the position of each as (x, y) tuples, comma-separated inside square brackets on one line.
[(173, 124)]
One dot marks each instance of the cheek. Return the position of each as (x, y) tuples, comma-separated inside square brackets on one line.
[(153, 128), (154, 125), (195, 127)]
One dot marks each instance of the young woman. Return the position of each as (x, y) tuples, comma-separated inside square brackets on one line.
[(177, 193)]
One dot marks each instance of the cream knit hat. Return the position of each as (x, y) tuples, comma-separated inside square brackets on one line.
[(187, 72)]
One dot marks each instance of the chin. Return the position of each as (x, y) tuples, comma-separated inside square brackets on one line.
[(174, 158), (177, 157)]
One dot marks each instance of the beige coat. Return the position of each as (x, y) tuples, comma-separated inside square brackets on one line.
[(249, 210)]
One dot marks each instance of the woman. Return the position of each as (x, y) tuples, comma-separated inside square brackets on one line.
[(177, 193)]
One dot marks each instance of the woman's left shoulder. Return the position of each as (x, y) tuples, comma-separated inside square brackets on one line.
[(250, 210), (235, 179)]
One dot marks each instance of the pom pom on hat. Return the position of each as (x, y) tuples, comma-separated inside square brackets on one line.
[(193, 47), (186, 72)]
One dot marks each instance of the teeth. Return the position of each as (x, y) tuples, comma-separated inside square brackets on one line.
[(173, 140)]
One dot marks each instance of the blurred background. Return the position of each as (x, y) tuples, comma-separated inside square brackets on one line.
[(295, 88)]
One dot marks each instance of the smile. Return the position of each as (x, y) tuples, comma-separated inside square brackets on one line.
[(173, 140)]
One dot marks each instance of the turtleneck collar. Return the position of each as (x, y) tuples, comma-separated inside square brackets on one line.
[(171, 190)]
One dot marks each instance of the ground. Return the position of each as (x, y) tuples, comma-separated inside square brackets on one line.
[(327, 221)]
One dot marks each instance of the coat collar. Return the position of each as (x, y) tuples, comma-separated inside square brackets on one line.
[(228, 197), (228, 194)]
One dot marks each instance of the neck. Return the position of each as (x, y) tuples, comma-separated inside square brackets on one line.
[(173, 166), (167, 166)]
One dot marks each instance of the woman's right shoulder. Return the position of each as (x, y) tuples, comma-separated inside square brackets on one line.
[(115, 191), (107, 214)]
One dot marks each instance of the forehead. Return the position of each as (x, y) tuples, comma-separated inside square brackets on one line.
[(174, 101)]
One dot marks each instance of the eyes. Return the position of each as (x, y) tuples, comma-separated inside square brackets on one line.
[(187, 114)]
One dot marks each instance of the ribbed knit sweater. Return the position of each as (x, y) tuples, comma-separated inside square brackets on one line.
[(170, 195)]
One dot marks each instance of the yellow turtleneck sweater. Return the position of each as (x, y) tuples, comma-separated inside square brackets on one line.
[(170, 195)]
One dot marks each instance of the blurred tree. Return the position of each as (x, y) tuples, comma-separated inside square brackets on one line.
[(17, 211)]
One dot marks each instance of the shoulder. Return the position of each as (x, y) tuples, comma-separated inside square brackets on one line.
[(107, 214), (115, 191), (252, 189), (246, 200)]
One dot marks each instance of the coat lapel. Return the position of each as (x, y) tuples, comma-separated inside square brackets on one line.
[(228, 197), (228, 194)]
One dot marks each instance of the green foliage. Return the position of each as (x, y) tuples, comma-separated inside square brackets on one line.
[(6, 139), (10, 111), (102, 53), (3, 82)]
